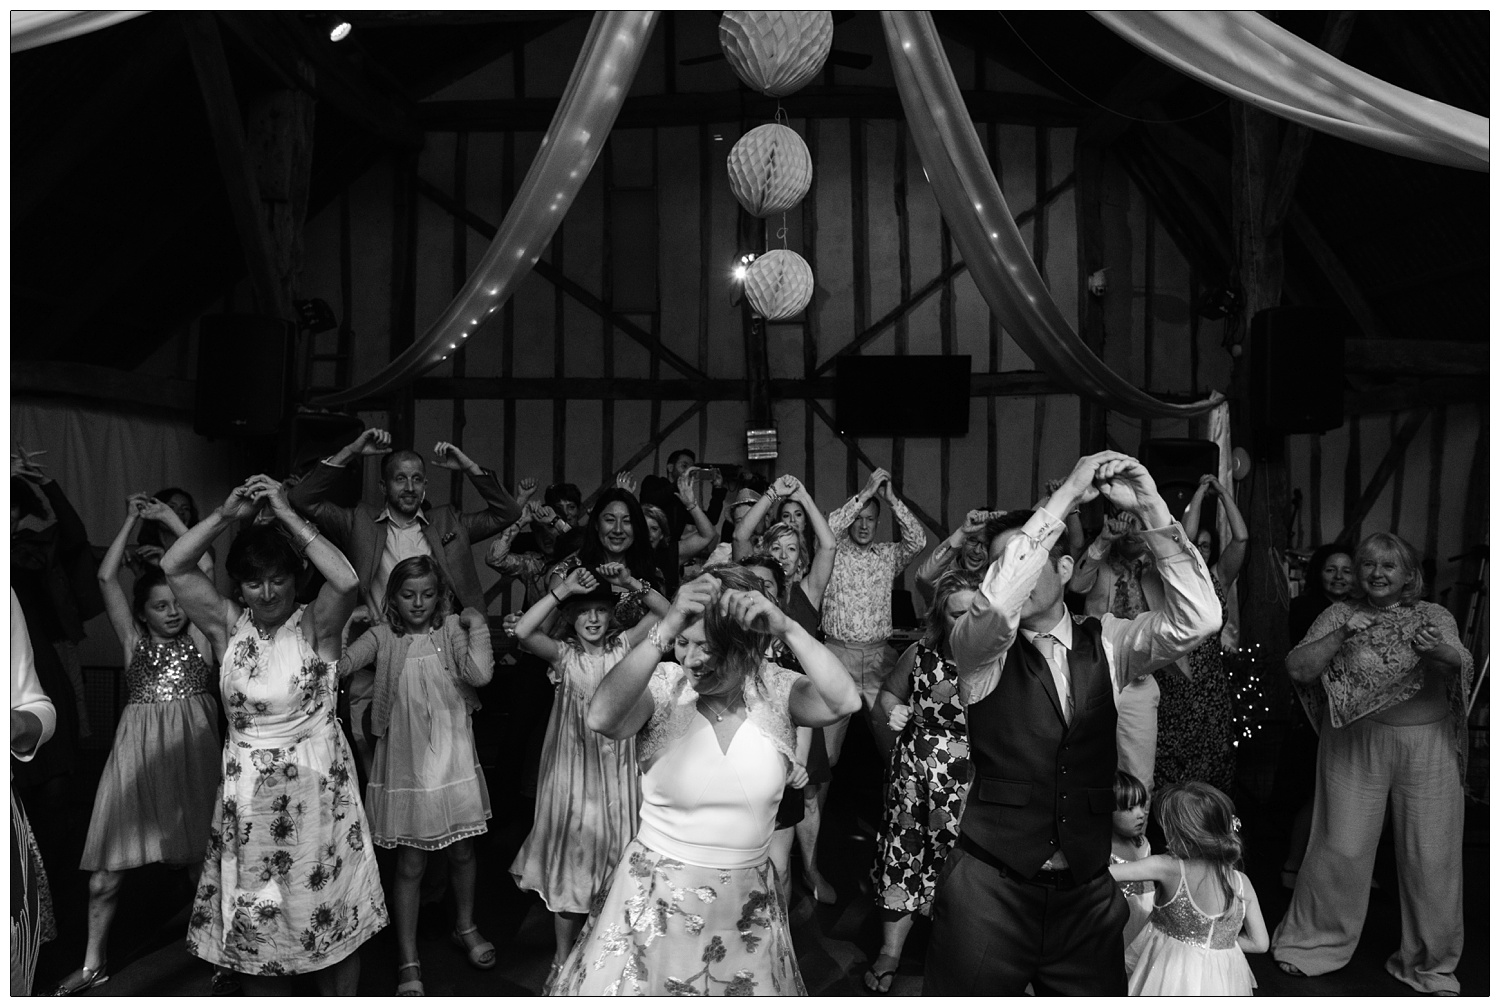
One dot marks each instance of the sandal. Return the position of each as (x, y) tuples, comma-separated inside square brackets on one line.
[(412, 987), (83, 979), (1291, 970), (481, 955), (874, 976), (224, 983)]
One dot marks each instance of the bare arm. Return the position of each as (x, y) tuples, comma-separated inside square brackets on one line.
[(1254, 939), (744, 532), (360, 652), (206, 608), (1232, 556), (896, 689), (339, 594), (121, 619), (1334, 625), (705, 536), (815, 584), (1159, 867), (479, 663)]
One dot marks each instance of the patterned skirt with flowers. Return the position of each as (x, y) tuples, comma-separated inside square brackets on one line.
[(925, 789), (665, 928), (289, 882)]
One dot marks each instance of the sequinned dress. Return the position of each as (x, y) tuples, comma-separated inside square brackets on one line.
[(290, 883), (925, 788), (1184, 951), (156, 797)]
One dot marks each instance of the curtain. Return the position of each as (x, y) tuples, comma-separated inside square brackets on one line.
[(601, 79), (1248, 57), (31, 28), (986, 233)]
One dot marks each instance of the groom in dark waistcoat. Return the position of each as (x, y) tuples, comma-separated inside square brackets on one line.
[(1026, 896)]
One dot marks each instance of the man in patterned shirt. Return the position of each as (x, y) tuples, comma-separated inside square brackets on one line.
[(857, 605)]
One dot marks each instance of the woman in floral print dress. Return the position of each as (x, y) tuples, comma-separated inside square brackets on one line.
[(928, 778), (694, 908), (289, 883)]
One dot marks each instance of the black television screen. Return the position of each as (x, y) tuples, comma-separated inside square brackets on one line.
[(903, 396)]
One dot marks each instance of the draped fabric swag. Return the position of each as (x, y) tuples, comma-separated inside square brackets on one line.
[(32, 28), (985, 231), (1249, 57), (601, 79)]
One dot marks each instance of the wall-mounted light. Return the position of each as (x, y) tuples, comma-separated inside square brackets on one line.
[(743, 265)]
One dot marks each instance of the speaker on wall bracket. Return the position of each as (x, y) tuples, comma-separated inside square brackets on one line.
[(243, 375)]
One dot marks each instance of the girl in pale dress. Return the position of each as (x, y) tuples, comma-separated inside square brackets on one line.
[(289, 883), (693, 907), (1129, 844), (426, 789), (155, 798), (588, 792), (1206, 916)]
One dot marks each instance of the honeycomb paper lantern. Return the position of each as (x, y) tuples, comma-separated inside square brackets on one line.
[(770, 170), (779, 284), (776, 52)]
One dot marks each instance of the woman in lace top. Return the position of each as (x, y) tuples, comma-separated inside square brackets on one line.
[(694, 906), (1385, 678)]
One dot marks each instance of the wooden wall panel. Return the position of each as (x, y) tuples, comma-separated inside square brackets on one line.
[(1062, 225), (678, 260), (881, 225), (726, 352), (833, 270)]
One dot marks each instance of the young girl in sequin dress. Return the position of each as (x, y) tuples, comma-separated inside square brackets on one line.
[(1206, 916), (155, 799), (588, 792), (426, 789)]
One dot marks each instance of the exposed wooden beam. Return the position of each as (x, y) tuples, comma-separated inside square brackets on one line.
[(559, 279), (1343, 284), (859, 453), (646, 449), (207, 49), (37, 171), (1297, 138), (694, 108), (1415, 357), (937, 283), (281, 40), (1383, 473), (1433, 392), (1009, 384), (100, 384)]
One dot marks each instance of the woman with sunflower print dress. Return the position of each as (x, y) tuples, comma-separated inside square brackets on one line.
[(928, 778), (289, 883)]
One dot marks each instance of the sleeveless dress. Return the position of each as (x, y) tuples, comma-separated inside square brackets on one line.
[(156, 797), (1183, 951), (925, 789), (426, 786), (290, 883), (1195, 721), (588, 794), (694, 908), (1140, 896)]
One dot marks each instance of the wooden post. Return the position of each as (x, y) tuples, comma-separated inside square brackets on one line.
[(403, 307), (460, 237), (859, 245), (810, 316), (1088, 199)]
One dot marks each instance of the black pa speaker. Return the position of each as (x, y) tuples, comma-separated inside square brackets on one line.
[(1177, 463), (902, 396), (242, 375), (1297, 370)]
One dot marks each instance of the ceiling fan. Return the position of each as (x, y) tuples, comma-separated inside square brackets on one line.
[(839, 57)]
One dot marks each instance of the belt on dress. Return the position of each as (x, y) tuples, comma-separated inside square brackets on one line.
[(1061, 880)]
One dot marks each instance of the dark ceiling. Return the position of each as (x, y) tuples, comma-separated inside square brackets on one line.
[(121, 230)]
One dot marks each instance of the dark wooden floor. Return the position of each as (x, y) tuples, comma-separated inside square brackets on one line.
[(835, 943)]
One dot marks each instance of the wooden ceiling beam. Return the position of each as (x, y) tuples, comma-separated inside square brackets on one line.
[(281, 41), (1432, 392), (47, 378), (1415, 357), (697, 108), (228, 128)]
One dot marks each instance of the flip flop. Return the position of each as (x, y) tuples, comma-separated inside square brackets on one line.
[(887, 975), (1291, 970), (481, 955)]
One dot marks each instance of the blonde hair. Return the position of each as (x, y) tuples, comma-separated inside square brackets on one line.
[(780, 530), (1199, 823), (1384, 541)]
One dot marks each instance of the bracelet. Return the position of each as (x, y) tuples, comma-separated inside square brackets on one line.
[(653, 637), (304, 537), (554, 596)]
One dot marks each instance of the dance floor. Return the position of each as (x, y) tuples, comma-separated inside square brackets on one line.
[(835, 943)]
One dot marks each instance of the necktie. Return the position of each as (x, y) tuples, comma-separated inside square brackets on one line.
[(1049, 646)]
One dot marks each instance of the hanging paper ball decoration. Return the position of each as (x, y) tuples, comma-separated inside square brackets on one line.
[(776, 52), (779, 284), (770, 170)]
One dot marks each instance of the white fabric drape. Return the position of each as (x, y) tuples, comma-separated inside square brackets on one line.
[(601, 79), (985, 231), (31, 28), (1251, 58)]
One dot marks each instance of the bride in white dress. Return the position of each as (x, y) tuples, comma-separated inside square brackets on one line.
[(693, 907)]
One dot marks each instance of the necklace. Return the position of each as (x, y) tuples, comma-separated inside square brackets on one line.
[(719, 715)]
